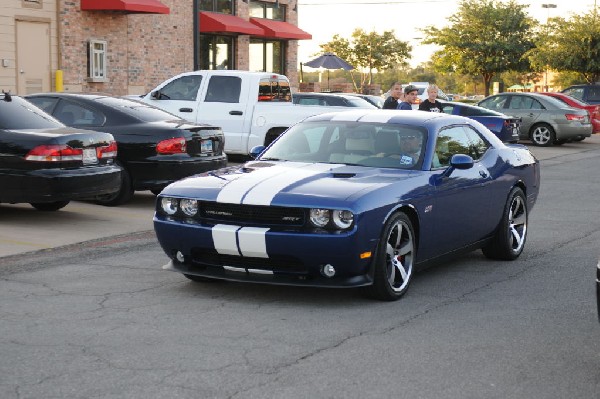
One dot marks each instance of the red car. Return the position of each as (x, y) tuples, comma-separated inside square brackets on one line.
[(594, 110)]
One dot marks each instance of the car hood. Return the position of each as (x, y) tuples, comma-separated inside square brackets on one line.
[(287, 183)]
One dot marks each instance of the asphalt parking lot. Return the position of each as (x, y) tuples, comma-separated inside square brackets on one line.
[(25, 229)]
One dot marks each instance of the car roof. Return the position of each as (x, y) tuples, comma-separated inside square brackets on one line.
[(387, 116), (343, 95)]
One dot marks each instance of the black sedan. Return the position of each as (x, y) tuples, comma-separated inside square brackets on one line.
[(47, 164), (156, 148), (504, 126)]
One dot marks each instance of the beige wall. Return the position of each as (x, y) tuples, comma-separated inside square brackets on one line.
[(10, 12)]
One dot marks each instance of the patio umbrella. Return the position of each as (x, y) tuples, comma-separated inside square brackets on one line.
[(329, 61)]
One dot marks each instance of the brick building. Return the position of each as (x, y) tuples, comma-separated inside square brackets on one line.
[(128, 46)]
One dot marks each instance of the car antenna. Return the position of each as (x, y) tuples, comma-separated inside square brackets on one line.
[(7, 96)]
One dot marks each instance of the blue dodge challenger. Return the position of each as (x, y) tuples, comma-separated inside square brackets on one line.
[(352, 199)]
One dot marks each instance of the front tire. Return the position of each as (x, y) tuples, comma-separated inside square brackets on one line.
[(395, 259), (49, 206), (509, 240), (542, 135)]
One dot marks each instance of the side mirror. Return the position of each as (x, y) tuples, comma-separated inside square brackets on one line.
[(461, 161), (458, 161), (256, 151), (155, 95)]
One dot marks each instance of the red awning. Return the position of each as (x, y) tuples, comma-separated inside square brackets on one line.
[(280, 29), (131, 6), (226, 23)]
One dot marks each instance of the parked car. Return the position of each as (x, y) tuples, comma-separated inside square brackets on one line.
[(331, 100), (587, 93), (155, 147), (506, 128), (594, 110), (375, 100), (46, 164), (337, 201), (544, 120)]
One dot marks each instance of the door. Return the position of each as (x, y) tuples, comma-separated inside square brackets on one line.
[(525, 107), (463, 198), (33, 57)]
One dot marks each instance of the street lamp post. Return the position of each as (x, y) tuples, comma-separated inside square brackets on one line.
[(547, 6)]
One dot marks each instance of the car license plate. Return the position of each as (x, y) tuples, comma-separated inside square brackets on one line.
[(89, 156), (206, 146)]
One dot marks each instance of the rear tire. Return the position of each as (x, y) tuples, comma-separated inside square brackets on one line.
[(49, 206), (395, 258), (122, 196), (509, 240), (542, 135)]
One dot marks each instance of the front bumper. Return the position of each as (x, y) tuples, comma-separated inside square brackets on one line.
[(157, 173), (289, 258), (51, 185)]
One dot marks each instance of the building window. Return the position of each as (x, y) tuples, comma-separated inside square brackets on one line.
[(97, 61), (267, 55), (259, 9), (222, 6), (216, 52)]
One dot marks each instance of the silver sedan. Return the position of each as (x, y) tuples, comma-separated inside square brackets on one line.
[(545, 120)]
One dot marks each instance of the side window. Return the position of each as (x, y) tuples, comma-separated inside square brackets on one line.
[(72, 114), (495, 103), (183, 89), (274, 90), (529, 103), (224, 89), (450, 141), (478, 145), (593, 93), (448, 108)]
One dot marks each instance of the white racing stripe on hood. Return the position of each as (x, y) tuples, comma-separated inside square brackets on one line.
[(234, 191), (264, 192), (224, 238)]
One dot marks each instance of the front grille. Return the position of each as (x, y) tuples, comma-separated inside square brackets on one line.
[(255, 214), (283, 264)]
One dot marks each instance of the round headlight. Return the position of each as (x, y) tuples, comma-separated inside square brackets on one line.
[(189, 206), (342, 219), (319, 217), (169, 205)]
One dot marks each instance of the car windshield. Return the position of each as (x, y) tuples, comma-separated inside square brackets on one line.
[(138, 110), (21, 114), (360, 102), (353, 143)]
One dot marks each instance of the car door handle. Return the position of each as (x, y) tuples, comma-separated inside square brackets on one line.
[(186, 110), (236, 113)]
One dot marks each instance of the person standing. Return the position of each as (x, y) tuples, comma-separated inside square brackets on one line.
[(431, 104), (395, 97), (410, 97)]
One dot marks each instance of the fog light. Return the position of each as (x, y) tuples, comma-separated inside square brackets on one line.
[(180, 258), (328, 270)]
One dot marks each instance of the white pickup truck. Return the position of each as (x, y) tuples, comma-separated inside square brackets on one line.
[(252, 108)]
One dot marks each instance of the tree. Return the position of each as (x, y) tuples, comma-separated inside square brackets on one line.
[(485, 37), (571, 45), (369, 52)]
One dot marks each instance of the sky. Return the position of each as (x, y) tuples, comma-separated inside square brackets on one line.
[(325, 18)]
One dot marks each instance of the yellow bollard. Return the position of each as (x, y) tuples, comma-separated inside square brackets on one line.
[(59, 81)]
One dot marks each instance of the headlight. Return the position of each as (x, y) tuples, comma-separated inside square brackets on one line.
[(169, 205), (189, 206), (319, 217), (342, 219)]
